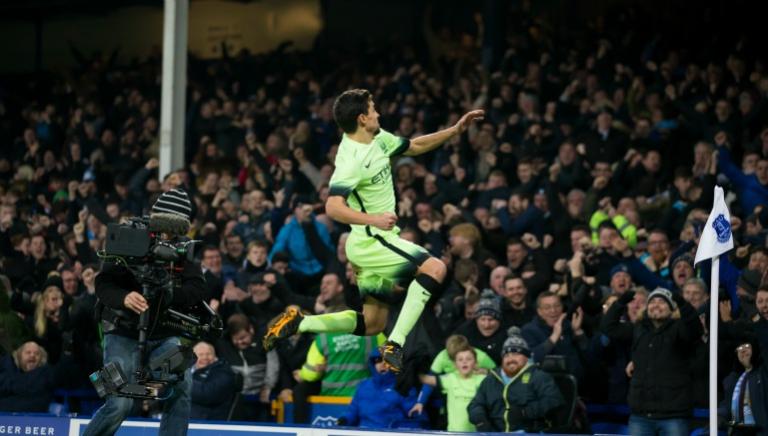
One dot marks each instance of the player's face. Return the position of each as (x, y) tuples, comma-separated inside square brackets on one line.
[(371, 119)]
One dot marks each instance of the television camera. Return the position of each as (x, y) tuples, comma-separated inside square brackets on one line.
[(154, 262)]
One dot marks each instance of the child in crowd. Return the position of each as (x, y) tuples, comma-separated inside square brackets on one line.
[(459, 385)]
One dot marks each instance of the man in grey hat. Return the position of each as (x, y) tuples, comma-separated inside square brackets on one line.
[(663, 342), (516, 396), (485, 332)]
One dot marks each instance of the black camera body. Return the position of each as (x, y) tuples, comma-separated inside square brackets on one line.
[(137, 243), (153, 262)]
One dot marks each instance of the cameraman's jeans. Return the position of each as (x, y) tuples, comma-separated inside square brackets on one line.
[(176, 409)]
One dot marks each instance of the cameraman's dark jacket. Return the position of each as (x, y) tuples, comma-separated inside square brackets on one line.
[(114, 282), (660, 387)]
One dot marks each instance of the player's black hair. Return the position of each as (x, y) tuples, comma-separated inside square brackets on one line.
[(348, 106)]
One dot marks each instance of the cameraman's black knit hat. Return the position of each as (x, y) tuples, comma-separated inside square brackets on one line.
[(174, 202)]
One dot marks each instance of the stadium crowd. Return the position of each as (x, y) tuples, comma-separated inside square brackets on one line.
[(573, 211)]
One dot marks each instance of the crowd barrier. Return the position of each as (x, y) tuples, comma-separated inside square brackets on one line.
[(64, 426), (605, 419)]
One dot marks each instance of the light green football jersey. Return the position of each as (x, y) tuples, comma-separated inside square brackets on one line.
[(363, 175), (459, 392)]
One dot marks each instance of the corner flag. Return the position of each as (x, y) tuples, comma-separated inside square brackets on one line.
[(716, 238)]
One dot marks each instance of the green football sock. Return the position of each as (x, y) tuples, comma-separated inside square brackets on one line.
[(337, 322), (414, 303)]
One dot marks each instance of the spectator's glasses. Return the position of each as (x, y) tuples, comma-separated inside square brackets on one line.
[(743, 347)]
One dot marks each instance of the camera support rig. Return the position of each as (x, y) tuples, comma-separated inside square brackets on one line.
[(150, 261)]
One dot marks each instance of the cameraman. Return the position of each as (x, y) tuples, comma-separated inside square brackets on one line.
[(120, 293)]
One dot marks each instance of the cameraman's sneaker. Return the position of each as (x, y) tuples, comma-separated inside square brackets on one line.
[(392, 355), (282, 326)]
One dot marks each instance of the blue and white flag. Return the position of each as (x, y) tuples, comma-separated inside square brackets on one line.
[(717, 237)]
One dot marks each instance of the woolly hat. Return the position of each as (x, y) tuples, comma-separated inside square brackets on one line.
[(174, 202), (489, 305), (620, 267), (515, 343), (665, 294), (687, 258)]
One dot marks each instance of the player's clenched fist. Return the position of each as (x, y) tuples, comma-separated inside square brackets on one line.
[(384, 221)]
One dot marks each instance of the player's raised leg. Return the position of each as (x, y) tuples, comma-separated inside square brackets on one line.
[(429, 279), (292, 321)]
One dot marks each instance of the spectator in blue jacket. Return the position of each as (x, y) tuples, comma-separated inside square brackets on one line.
[(306, 241), (213, 385), (377, 404), (26, 380), (752, 189)]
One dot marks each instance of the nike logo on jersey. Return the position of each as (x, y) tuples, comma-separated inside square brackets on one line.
[(367, 165)]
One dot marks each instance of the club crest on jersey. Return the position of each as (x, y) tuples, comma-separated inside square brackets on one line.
[(722, 228)]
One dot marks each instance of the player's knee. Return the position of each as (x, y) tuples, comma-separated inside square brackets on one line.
[(435, 268)]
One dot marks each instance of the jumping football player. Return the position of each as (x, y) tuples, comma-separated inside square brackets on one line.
[(362, 195)]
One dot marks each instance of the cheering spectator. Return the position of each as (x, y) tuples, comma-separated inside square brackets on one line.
[(484, 331), (258, 369), (213, 385), (515, 308), (460, 386), (659, 393), (26, 380), (306, 240), (517, 396), (551, 333)]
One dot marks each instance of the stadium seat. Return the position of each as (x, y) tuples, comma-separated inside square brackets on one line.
[(562, 417)]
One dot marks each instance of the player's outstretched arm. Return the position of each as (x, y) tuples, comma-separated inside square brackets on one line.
[(336, 207), (426, 143)]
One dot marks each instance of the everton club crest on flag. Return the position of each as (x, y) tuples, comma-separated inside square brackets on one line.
[(722, 229), (716, 238)]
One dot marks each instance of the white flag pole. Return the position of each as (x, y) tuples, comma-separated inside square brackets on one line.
[(714, 316)]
